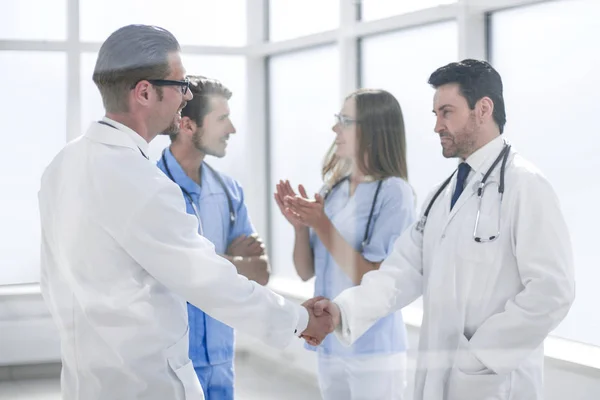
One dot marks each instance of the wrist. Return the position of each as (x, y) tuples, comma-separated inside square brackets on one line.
[(300, 229), (322, 226)]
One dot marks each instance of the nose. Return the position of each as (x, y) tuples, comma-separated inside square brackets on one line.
[(439, 126), (233, 130), (188, 95), (336, 128)]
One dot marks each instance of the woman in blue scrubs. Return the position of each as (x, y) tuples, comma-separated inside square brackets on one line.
[(347, 230)]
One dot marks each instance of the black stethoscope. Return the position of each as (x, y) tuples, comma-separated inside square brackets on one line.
[(420, 227), (366, 237), (187, 194)]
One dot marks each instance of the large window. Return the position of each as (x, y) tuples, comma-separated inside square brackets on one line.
[(376, 9), (550, 73), (303, 97), (290, 19), (197, 22), (419, 51), (33, 112), (33, 19)]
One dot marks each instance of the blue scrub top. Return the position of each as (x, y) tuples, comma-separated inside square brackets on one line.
[(394, 212), (211, 341)]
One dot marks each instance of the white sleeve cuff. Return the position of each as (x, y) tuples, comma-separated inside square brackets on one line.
[(302, 323), (342, 331)]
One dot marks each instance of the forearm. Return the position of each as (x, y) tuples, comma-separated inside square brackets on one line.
[(349, 260), (303, 255), (256, 268)]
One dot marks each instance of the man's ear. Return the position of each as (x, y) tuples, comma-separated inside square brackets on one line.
[(187, 125), (141, 92), (486, 108)]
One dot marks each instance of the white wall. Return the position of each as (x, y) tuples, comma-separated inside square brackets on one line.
[(28, 336)]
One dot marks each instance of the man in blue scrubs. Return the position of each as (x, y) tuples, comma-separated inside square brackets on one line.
[(218, 202)]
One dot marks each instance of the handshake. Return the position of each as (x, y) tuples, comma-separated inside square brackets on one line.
[(323, 317)]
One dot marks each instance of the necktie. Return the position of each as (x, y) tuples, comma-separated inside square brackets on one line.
[(463, 172)]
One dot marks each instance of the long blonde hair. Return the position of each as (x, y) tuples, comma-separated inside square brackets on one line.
[(381, 139)]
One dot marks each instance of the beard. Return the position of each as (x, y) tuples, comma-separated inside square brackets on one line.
[(172, 129), (463, 141), (202, 147)]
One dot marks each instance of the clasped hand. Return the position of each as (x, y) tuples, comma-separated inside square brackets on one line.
[(324, 317)]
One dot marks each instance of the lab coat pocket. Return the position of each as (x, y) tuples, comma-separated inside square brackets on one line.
[(488, 386), (189, 380)]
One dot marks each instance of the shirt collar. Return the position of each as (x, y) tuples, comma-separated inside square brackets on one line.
[(484, 156), (139, 141), (179, 175)]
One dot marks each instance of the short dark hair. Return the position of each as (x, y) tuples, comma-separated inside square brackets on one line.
[(203, 89), (129, 55), (476, 79)]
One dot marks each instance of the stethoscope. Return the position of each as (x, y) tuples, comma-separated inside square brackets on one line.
[(187, 194), (366, 237), (420, 227)]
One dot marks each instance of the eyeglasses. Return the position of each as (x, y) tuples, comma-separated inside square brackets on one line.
[(184, 84), (344, 120)]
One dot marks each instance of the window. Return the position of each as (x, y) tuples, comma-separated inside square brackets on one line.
[(198, 22), (420, 52), (303, 97), (47, 22), (551, 103), (290, 19), (377, 9), (34, 125)]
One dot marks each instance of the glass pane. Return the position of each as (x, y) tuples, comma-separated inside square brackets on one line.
[(193, 22), (47, 22), (303, 97), (423, 50), (552, 92), (427, 47), (34, 126), (231, 70), (291, 19), (377, 9)]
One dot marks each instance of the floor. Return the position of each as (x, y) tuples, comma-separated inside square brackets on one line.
[(255, 380)]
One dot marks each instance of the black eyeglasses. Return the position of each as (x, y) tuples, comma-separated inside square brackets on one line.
[(184, 85)]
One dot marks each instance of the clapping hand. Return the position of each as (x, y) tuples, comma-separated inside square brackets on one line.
[(305, 211), (283, 190)]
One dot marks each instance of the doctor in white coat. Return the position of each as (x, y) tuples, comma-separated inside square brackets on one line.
[(493, 289), (120, 255)]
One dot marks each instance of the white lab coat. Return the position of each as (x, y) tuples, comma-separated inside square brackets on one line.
[(487, 306), (120, 257)]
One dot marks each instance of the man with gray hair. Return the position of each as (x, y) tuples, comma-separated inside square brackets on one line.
[(120, 256)]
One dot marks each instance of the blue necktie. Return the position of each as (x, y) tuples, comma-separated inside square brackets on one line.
[(463, 172)]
